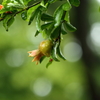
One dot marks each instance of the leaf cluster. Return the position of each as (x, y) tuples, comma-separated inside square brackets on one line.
[(50, 26)]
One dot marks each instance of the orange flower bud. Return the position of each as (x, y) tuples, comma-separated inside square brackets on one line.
[(1, 7), (44, 50)]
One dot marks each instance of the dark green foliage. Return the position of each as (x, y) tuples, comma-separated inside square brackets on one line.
[(75, 2), (46, 17), (56, 32), (8, 21)]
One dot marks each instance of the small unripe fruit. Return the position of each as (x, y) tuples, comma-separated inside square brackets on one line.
[(45, 47)]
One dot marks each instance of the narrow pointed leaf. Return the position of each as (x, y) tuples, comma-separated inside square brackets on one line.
[(33, 15), (63, 31), (37, 32), (54, 53), (60, 53), (69, 27), (48, 64), (38, 21)]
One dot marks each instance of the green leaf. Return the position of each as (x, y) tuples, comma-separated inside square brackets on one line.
[(49, 63), (15, 5), (46, 17), (31, 11), (24, 15), (8, 20), (52, 1), (42, 59), (33, 15), (54, 53), (56, 32), (45, 34), (37, 32), (3, 10), (21, 2), (75, 2), (67, 16), (58, 15), (47, 25), (66, 6), (63, 31), (59, 53), (26, 1), (38, 20), (44, 3), (69, 27)]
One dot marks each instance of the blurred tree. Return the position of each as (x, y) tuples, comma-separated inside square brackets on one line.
[(89, 58)]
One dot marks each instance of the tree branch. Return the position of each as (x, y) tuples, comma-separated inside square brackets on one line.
[(14, 14)]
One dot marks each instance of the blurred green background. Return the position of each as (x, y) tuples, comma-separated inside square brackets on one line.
[(20, 79)]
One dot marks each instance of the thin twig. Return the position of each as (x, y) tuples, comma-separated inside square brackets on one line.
[(22, 10)]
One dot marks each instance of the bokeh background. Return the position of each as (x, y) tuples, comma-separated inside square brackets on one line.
[(78, 78)]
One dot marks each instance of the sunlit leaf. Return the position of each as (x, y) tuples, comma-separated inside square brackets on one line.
[(58, 15), (31, 11), (44, 3), (67, 16), (38, 20), (15, 5), (26, 1), (66, 6), (21, 2), (33, 15)]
